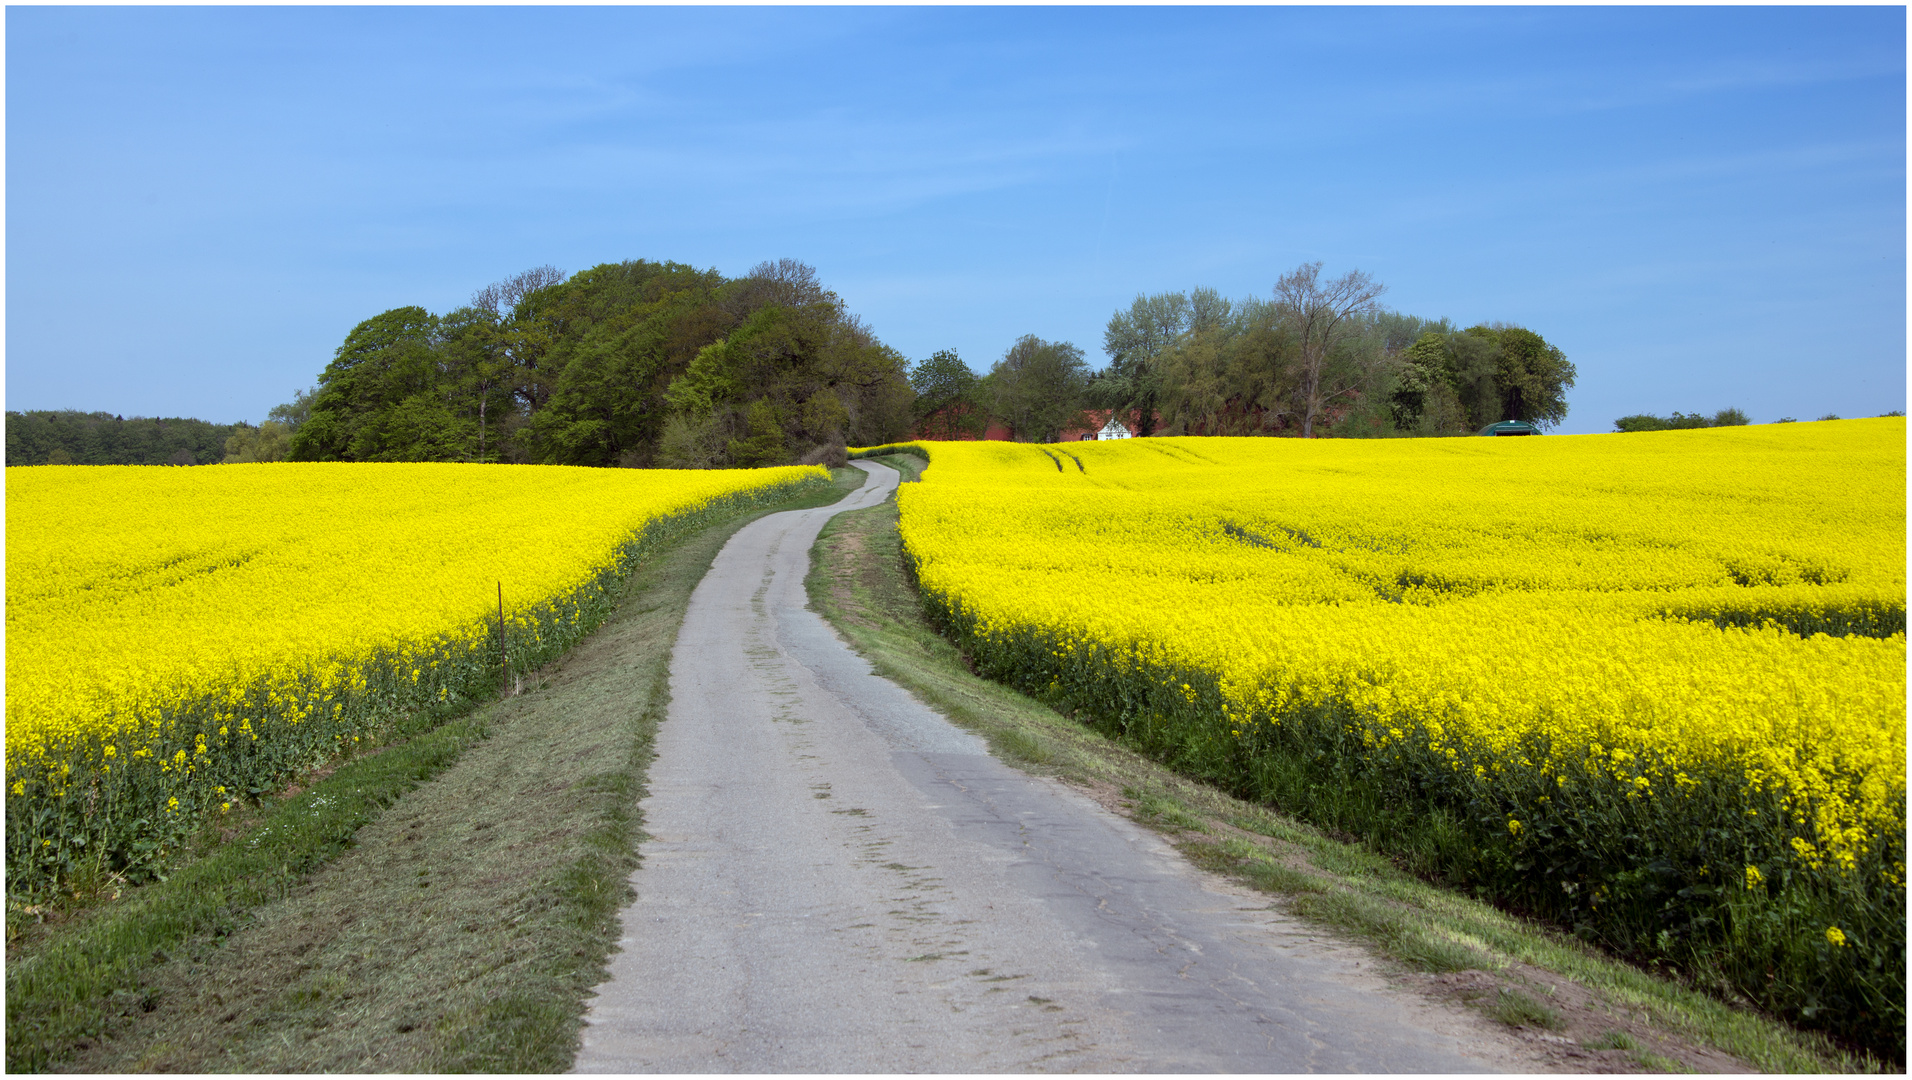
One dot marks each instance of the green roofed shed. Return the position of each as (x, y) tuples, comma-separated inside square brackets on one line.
[(1509, 427)]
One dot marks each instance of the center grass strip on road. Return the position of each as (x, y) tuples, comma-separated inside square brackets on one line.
[(1592, 1012), (444, 905)]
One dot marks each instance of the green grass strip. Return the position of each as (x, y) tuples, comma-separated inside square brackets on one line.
[(70, 990)]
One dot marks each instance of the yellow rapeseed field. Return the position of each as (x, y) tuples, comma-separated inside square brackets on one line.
[(1678, 656), (179, 637)]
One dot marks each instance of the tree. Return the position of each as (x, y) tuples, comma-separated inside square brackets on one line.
[(1230, 372), (946, 405), (383, 361), (270, 441), (102, 438), (501, 298), (1037, 387), (1423, 371), (691, 442), (476, 372), (1639, 422), (764, 444), (1533, 377), (1473, 370), (294, 412), (1318, 315), (1679, 421), (590, 369), (1135, 341), (786, 283), (608, 402)]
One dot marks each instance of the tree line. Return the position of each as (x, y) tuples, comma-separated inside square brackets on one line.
[(70, 437), (644, 363), (1728, 417), (1316, 357)]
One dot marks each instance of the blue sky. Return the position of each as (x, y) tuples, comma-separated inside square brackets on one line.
[(1702, 207)]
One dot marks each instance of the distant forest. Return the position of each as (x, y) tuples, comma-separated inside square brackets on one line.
[(68, 437)]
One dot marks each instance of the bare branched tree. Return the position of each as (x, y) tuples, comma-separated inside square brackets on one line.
[(1317, 313), (787, 282), (500, 297)]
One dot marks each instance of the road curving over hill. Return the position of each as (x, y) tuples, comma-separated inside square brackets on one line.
[(836, 879)]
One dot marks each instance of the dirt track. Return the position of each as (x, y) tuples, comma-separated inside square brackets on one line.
[(838, 880)]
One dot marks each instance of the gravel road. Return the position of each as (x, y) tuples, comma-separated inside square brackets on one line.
[(839, 880)]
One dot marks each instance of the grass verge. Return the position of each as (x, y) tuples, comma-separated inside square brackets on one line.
[(441, 904), (1589, 1011)]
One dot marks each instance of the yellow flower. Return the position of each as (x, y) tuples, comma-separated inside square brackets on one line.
[(109, 570), (1753, 878), (1836, 936), (1513, 827), (1652, 616)]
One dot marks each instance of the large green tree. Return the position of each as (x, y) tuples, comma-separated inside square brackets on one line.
[(1038, 388), (385, 362), (1135, 341), (947, 404), (1533, 377)]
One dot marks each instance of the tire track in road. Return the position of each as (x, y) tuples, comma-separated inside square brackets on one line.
[(836, 879)]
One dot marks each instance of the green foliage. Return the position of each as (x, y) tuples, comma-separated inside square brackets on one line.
[(1136, 340), (269, 441), (948, 403), (1533, 377), (1038, 388), (1728, 417), (764, 444), (68, 437), (295, 412), (633, 364), (690, 441), (1515, 1009), (62, 994), (384, 361), (1322, 358)]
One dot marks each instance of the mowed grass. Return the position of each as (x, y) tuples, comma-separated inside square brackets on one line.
[(443, 903), (1593, 1012)]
